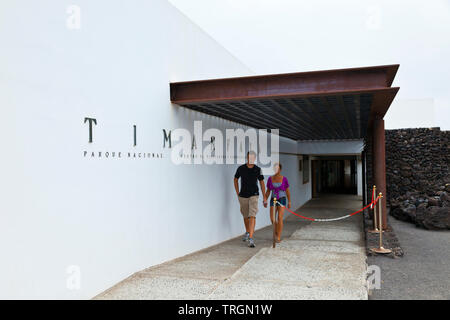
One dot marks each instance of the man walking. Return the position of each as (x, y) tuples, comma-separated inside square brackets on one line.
[(248, 195)]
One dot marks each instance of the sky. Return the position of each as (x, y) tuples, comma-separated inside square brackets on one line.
[(276, 36)]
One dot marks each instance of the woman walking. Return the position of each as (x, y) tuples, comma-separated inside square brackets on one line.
[(279, 186)]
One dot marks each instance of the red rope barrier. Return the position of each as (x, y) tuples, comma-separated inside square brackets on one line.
[(373, 194), (346, 216)]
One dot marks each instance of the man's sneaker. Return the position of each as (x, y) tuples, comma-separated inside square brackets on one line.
[(251, 243), (246, 236)]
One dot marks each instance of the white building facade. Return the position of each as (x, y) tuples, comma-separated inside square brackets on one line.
[(83, 208)]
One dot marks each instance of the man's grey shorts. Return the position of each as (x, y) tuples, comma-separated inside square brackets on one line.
[(249, 206)]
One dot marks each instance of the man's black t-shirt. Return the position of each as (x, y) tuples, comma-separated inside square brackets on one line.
[(249, 177)]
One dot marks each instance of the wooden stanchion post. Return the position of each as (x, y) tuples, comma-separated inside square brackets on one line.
[(380, 248), (274, 221), (376, 228)]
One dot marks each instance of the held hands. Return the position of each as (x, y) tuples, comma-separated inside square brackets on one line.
[(265, 202), (289, 205)]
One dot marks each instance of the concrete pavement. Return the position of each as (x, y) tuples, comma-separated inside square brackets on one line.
[(422, 273), (318, 260)]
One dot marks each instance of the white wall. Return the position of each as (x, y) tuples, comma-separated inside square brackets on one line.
[(300, 192), (359, 175), (110, 217)]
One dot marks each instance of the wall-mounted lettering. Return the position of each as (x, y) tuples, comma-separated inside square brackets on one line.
[(91, 120), (194, 143), (168, 138), (213, 145)]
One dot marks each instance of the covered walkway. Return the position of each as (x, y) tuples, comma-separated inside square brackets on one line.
[(319, 260), (325, 105)]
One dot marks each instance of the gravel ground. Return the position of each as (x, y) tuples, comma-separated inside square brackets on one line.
[(424, 270)]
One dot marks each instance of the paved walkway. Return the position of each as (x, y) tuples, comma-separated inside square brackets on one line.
[(319, 260)]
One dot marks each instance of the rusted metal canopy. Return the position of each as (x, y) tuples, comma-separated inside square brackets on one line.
[(317, 105)]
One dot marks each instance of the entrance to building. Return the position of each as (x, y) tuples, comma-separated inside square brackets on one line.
[(334, 175)]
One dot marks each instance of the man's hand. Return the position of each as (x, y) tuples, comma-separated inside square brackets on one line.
[(236, 186), (265, 202)]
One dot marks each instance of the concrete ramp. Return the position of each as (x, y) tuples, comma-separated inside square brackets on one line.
[(302, 269), (318, 260)]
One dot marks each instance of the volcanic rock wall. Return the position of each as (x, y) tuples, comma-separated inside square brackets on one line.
[(416, 159), (417, 176)]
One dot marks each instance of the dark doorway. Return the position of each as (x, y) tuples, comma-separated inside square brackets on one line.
[(334, 175), (315, 170)]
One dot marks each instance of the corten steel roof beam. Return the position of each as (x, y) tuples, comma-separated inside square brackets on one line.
[(284, 84), (331, 104)]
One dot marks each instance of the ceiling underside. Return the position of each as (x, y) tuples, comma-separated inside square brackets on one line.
[(308, 118), (330, 105)]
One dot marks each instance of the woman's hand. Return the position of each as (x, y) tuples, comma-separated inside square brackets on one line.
[(289, 205)]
